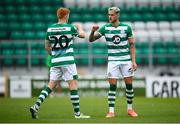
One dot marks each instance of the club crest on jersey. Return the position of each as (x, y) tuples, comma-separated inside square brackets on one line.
[(116, 39)]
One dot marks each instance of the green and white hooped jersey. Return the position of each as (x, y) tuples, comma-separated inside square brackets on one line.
[(117, 41), (60, 37)]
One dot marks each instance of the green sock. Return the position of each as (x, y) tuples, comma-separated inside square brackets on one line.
[(129, 95), (44, 93), (112, 97), (75, 101)]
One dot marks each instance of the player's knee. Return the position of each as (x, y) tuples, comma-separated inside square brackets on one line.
[(128, 80), (72, 85), (112, 81)]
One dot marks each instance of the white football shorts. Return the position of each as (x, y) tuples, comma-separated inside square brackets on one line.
[(65, 73), (117, 69)]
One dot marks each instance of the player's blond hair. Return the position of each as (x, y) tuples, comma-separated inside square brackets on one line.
[(114, 8), (61, 12)]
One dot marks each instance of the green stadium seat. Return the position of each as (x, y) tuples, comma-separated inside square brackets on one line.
[(39, 26), (3, 3), (7, 51), (140, 48), (24, 17), (145, 52), (3, 18), (3, 34), (21, 53), (168, 9), (21, 2), (21, 61), (99, 45), (103, 9), (82, 61), (50, 17), (17, 35), (37, 18), (3, 26), (173, 49), (47, 2), (40, 35), (161, 59), (48, 10), (43, 61), (124, 17), (75, 18), (88, 17), (156, 9), (29, 35), (22, 9), (160, 17), (98, 51), (173, 16), (147, 17), (143, 9), (99, 61), (81, 53), (20, 45), (34, 51), (177, 9), (2, 9), (100, 18), (74, 10), (33, 2), (12, 18), (139, 59), (7, 62), (81, 11), (82, 45), (27, 26), (160, 51), (131, 9), (14, 26), (10, 8), (135, 17), (175, 60), (35, 61), (41, 49), (6, 45), (35, 48), (34, 9)]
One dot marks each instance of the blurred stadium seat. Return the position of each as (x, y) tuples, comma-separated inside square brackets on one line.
[(151, 25), (164, 25), (153, 21), (139, 25)]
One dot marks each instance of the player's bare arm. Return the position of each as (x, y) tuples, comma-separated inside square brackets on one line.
[(133, 52), (94, 35), (48, 47), (81, 31)]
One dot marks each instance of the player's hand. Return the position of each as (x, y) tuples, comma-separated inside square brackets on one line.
[(95, 28), (134, 66), (78, 25)]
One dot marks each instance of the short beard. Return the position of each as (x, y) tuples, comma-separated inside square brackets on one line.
[(113, 21)]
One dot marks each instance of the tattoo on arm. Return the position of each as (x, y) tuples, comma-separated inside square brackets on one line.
[(48, 47)]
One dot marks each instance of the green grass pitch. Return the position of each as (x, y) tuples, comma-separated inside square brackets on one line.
[(59, 110)]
